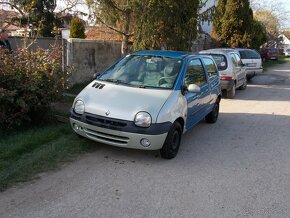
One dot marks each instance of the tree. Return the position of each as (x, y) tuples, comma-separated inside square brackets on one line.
[(259, 34), (278, 9), (37, 14), (116, 15), (168, 24), (151, 23), (233, 23), (77, 29), (269, 20)]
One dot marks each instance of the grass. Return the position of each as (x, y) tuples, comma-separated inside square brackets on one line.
[(27, 153), (281, 60)]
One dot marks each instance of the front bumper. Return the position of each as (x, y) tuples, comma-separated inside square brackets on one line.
[(113, 132)]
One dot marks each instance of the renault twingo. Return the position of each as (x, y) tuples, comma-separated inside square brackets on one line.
[(147, 100)]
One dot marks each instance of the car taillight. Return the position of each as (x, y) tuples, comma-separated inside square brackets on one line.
[(227, 78)]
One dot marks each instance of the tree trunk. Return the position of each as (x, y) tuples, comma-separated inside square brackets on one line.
[(126, 30)]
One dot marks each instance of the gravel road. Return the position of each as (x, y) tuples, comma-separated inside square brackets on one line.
[(238, 167)]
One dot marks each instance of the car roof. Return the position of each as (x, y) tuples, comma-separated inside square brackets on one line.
[(165, 53), (244, 49), (218, 51)]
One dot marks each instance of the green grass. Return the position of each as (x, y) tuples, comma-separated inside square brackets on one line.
[(26, 153), (281, 60)]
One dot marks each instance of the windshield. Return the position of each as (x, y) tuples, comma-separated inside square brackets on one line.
[(144, 71)]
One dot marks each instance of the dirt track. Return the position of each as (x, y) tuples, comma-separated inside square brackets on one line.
[(238, 167)]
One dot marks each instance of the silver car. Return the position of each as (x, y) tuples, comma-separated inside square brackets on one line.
[(252, 61), (147, 100), (231, 68)]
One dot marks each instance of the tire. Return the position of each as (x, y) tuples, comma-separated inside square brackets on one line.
[(172, 142), (213, 115), (231, 93), (244, 86)]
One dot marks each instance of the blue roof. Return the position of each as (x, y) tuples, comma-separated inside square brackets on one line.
[(170, 54)]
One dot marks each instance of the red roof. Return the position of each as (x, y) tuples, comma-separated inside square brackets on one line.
[(102, 33)]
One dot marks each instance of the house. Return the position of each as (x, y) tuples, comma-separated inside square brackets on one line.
[(285, 42)]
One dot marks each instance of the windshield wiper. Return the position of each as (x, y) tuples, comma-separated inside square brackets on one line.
[(116, 81)]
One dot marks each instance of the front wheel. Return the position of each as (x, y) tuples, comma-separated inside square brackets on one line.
[(213, 115), (172, 142)]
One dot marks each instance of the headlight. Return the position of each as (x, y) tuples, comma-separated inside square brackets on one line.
[(79, 107), (142, 119)]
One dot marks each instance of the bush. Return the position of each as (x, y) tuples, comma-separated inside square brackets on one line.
[(77, 29), (29, 82)]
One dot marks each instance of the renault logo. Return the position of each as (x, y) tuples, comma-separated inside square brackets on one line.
[(107, 113)]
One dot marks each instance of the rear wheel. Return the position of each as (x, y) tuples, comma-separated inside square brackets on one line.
[(213, 115), (244, 86), (232, 92), (172, 142)]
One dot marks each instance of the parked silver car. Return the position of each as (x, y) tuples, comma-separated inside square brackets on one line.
[(231, 68), (147, 100), (252, 60)]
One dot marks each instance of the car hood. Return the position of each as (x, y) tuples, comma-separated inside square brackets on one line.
[(122, 102)]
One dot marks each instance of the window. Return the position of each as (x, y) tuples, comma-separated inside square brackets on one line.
[(238, 59), (195, 73), (210, 67), (233, 58), (221, 61)]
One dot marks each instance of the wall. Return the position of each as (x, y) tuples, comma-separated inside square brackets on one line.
[(40, 42), (89, 57)]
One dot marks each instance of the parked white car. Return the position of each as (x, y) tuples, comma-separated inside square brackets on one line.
[(287, 52), (252, 60), (231, 68)]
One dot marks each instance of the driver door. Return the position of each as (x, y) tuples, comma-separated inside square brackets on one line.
[(195, 74)]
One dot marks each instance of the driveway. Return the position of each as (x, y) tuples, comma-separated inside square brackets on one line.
[(238, 167)]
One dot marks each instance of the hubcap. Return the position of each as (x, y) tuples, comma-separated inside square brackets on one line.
[(175, 140)]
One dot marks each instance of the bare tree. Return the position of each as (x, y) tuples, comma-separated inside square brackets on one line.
[(277, 8)]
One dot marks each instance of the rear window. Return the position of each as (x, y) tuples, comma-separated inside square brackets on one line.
[(220, 60), (273, 50), (288, 50), (249, 54)]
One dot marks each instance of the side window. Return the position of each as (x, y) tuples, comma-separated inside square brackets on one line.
[(239, 61), (235, 63), (210, 67), (195, 73)]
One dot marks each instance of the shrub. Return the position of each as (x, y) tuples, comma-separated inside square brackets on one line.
[(29, 82), (77, 29)]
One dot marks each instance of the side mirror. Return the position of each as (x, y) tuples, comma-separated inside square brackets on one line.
[(95, 75), (193, 88)]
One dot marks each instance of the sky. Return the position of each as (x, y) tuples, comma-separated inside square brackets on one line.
[(280, 7)]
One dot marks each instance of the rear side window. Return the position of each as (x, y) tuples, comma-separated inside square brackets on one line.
[(221, 61), (210, 67), (234, 60), (244, 54)]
